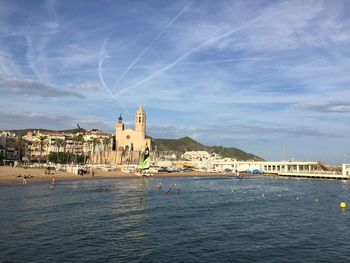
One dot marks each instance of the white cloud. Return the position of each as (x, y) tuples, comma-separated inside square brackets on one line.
[(328, 107), (33, 88), (90, 85), (21, 120), (247, 61)]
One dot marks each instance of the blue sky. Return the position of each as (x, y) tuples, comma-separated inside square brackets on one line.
[(269, 77)]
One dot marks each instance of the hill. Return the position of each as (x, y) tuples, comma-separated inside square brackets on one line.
[(179, 146)]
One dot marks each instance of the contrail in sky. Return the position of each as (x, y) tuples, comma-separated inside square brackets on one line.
[(151, 44), (184, 63), (210, 41), (100, 73)]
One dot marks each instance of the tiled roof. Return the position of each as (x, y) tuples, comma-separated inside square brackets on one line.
[(52, 133)]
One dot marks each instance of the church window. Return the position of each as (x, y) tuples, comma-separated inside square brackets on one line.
[(139, 119)]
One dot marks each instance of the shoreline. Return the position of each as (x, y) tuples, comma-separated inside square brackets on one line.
[(11, 175), (14, 175)]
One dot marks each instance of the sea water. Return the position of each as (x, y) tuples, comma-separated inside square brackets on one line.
[(210, 220)]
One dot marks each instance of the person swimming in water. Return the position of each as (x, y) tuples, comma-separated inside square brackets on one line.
[(159, 186), (24, 181), (53, 180), (105, 189)]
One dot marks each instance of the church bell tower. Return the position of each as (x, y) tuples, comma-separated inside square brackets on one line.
[(120, 124), (140, 120)]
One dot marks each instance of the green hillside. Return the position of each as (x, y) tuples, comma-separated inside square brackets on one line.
[(234, 153), (179, 146)]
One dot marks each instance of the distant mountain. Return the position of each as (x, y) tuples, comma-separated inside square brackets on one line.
[(181, 145)]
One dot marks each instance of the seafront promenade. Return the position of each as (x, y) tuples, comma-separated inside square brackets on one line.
[(336, 176), (343, 174)]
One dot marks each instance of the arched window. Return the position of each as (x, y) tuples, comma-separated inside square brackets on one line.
[(139, 119)]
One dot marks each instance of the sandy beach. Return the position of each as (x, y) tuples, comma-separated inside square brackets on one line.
[(14, 175)]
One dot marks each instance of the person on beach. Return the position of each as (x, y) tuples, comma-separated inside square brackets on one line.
[(93, 174), (24, 181), (53, 180)]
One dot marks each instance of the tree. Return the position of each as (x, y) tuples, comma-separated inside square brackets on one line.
[(41, 143), (78, 141), (94, 141), (106, 142), (123, 155), (88, 143), (55, 146), (60, 143), (20, 144), (61, 156)]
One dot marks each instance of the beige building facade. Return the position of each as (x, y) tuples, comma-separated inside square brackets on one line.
[(131, 143), (95, 144)]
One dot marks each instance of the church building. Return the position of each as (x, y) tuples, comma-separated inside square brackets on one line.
[(128, 140)]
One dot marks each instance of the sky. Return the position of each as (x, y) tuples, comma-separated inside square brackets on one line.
[(269, 77)]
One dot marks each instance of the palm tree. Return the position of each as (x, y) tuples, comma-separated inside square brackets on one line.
[(41, 143), (55, 146), (20, 144), (60, 143), (64, 146), (122, 155), (106, 142), (29, 149), (78, 140), (94, 141), (88, 146)]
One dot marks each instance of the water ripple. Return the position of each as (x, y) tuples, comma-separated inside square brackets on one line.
[(211, 220)]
